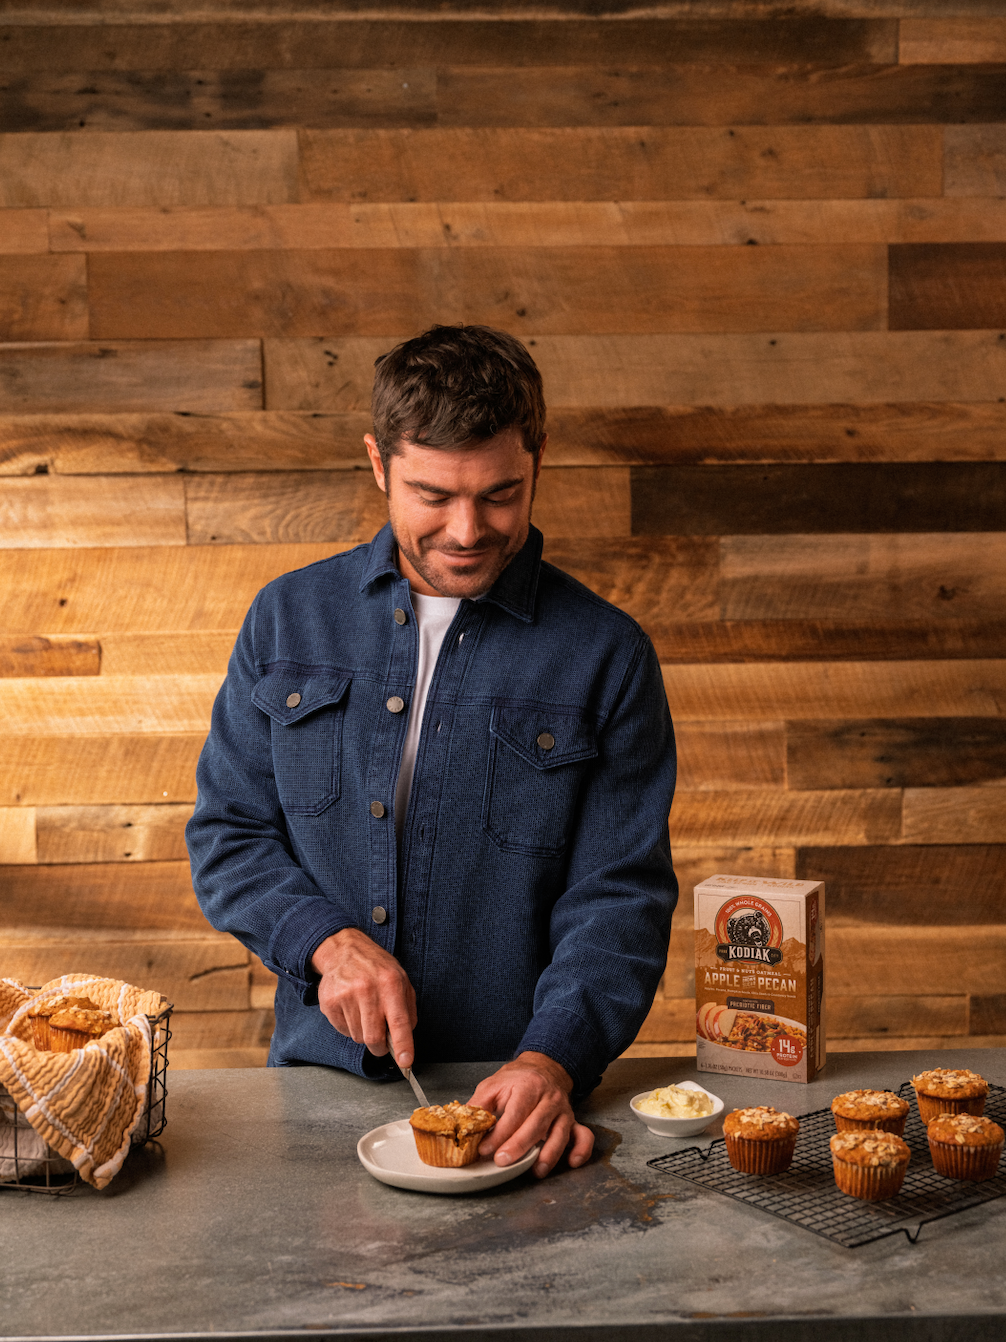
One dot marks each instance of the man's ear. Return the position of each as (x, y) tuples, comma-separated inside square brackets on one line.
[(374, 454)]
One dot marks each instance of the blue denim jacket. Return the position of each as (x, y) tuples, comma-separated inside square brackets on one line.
[(532, 900)]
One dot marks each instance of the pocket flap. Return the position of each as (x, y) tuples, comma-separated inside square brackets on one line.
[(528, 731), (288, 696)]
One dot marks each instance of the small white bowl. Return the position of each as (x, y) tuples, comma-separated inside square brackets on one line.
[(678, 1127)]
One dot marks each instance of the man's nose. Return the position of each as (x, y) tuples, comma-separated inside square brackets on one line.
[(466, 526)]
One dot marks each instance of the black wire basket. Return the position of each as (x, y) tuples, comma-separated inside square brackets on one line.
[(806, 1195), (28, 1164)]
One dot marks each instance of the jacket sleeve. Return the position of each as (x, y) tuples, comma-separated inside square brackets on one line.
[(244, 871), (610, 928)]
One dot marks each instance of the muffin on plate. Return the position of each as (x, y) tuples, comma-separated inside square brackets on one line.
[(859, 1110), (870, 1165), (965, 1146), (947, 1091), (73, 1027), (448, 1135), (40, 1013), (760, 1140)]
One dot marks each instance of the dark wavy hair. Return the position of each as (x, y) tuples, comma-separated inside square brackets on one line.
[(455, 386)]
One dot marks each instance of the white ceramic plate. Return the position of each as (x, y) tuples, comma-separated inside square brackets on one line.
[(678, 1127), (389, 1154)]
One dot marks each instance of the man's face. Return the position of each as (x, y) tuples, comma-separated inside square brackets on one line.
[(459, 516)]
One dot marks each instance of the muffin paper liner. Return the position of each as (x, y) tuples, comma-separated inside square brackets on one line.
[(871, 1183), (771, 1157), (955, 1161), (932, 1105)]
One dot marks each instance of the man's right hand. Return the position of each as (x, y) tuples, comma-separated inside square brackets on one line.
[(366, 994)]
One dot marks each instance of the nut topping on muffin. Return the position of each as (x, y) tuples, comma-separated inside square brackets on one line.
[(950, 1079), (869, 1148)]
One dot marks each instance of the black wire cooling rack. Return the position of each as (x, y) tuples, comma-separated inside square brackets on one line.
[(805, 1194)]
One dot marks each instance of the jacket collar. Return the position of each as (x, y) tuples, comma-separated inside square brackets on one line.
[(513, 591)]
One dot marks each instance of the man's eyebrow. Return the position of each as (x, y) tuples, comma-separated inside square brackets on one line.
[(451, 493)]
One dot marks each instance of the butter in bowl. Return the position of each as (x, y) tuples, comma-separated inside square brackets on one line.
[(678, 1110)]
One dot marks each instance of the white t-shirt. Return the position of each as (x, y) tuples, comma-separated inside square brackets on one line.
[(433, 616)]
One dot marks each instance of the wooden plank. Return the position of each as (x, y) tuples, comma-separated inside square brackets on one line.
[(602, 95), (43, 512), (204, 167), (584, 503), (837, 689), (896, 752), (112, 833), (777, 817), (17, 835), (974, 161), (824, 640), (197, 376), (81, 770), (955, 815), (545, 290), (947, 285), (987, 1013), (956, 883), (620, 163), (23, 231), (103, 705), (937, 577), (137, 444), (808, 498), (626, 223), (42, 297), (110, 895), (309, 506), (954, 41), (217, 1030), (263, 995), (252, 41), (194, 974), (714, 756), (145, 589), (33, 655), (896, 959), (798, 368), (645, 578), (197, 652)]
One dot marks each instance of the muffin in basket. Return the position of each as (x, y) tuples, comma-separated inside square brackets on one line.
[(947, 1091), (870, 1165), (965, 1146), (40, 1013), (858, 1110), (760, 1140), (73, 1027), (448, 1135)]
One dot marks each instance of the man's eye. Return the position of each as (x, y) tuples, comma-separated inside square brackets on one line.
[(503, 496), (434, 498)]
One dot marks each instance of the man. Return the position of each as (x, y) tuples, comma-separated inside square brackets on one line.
[(434, 797)]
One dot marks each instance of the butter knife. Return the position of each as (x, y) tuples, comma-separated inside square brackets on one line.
[(417, 1089)]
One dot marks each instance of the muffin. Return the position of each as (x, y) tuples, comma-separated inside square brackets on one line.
[(760, 1140), (870, 1165), (945, 1091), (448, 1135), (73, 1027), (858, 1110), (40, 1013), (965, 1146)]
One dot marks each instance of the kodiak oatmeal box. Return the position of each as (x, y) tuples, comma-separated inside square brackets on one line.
[(759, 977)]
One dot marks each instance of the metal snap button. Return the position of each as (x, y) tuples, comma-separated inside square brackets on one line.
[(395, 705), (379, 914), (292, 700), (546, 740), (400, 617), (376, 809)]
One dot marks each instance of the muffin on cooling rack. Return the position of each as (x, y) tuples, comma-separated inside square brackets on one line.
[(448, 1135), (73, 1027), (870, 1165), (965, 1146), (760, 1140), (945, 1090), (859, 1110), (40, 1013)]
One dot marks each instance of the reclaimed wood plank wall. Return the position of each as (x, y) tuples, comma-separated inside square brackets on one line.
[(762, 264)]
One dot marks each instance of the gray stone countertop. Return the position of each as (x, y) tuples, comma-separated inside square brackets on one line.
[(254, 1217)]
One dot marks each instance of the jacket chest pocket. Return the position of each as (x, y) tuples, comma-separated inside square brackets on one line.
[(307, 713), (537, 759)]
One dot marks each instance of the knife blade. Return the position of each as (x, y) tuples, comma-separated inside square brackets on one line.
[(417, 1089)]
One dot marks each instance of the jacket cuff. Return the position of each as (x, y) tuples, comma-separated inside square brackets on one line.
[(296, 937), (567, 1039)]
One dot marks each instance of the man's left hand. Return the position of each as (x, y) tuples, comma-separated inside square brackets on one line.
[(531, 1094)]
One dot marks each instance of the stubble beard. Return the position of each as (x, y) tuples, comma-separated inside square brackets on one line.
[(469, 586)]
